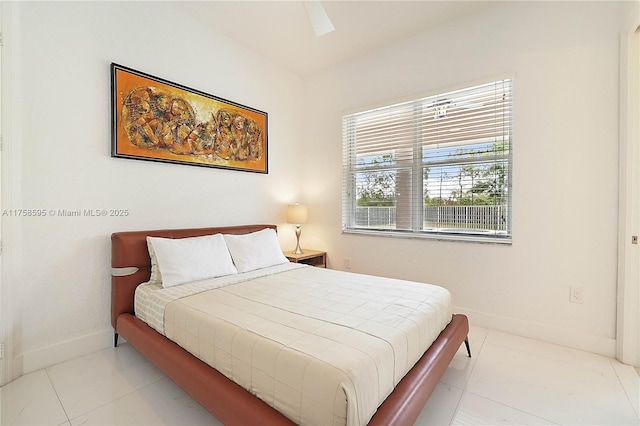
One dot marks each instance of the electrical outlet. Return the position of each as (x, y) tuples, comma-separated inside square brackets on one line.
[(347, 263), (577, 295)]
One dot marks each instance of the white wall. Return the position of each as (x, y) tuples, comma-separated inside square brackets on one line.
[(58, 267), (565, 59)]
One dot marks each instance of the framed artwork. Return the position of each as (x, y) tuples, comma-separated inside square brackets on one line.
[(157, 120)]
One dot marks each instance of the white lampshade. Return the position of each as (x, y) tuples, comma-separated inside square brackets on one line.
[(297, 214)]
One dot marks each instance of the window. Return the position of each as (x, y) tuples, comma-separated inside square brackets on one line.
[(438, 166)]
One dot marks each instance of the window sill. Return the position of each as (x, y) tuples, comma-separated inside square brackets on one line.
[(438, 236)]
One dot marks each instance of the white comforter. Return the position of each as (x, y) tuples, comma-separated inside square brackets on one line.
[(320, 346)]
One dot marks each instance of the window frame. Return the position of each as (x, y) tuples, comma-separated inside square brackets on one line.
[(417, 165)]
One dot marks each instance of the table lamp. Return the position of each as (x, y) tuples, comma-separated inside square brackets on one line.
[(297, 214)]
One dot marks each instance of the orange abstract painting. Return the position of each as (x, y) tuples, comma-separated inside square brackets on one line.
[(154, 119)]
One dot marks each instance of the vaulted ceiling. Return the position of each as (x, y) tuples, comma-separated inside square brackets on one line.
[(282, 31)]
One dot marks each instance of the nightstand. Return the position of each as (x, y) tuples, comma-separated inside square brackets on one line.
[(309, 257)]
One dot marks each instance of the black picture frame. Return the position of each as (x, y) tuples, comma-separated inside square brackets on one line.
[(157, 120)]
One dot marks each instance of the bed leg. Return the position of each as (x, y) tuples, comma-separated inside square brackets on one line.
[(115, 340), (466, 343)]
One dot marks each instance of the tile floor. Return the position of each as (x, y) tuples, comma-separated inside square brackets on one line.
[(509, 380)]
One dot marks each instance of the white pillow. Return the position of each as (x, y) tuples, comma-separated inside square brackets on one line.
[(155, 277), (183, 260), (255, 250)]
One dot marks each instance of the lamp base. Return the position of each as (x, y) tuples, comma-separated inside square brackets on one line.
[(298, 250)]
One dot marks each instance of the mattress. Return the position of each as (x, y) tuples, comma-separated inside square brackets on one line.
[(320, 346)]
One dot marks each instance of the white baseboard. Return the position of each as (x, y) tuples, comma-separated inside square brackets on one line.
[(545, 333), (61, 352), (55, 354)]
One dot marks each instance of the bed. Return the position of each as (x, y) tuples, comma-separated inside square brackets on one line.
[(234, 403)]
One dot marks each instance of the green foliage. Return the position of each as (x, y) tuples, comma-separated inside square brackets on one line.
[(488, 182), (379, 187), (478, 183)]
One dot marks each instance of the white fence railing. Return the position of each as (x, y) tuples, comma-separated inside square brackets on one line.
[(465, 217)]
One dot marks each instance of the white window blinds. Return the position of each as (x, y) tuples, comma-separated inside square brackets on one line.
[(437, 165)]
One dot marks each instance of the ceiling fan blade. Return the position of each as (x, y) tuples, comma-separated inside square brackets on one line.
[(318, 17)]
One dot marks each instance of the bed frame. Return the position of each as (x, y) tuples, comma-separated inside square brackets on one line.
[(227, 401)]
